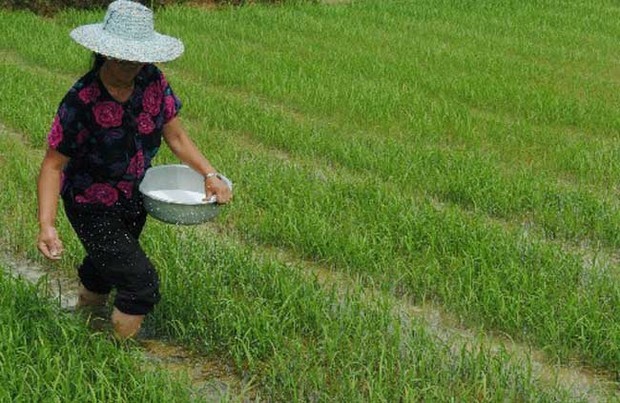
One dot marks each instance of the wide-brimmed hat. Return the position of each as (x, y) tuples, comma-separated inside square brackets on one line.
[(128, 33)]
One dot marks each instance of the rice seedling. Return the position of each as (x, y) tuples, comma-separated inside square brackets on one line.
[(50, 355)]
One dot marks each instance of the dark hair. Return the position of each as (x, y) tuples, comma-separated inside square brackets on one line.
[(98, 60)]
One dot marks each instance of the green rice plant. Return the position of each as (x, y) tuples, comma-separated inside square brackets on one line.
[(435, 120), (49, 355), (304, 343), (529, 288)]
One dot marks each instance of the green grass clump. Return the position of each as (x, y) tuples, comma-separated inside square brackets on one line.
[(50, 355)]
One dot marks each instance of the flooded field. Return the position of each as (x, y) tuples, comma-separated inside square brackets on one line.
[(425, 208)]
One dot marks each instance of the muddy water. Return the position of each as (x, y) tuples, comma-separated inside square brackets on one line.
[(52, 283), (211, 380), (581, 382)]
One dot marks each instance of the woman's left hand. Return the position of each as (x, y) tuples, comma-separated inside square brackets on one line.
[(214, 186)]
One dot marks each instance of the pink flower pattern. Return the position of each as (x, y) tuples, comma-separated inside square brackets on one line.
[(126, 187), (89, 94), (136, 165), (145, 124), (151, 100), (170, 108), (108, 114), (163, 82), (110, 144), (55, 135), (102, 193)]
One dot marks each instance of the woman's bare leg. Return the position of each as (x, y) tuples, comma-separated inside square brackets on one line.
[(88, 298), (125, 326)]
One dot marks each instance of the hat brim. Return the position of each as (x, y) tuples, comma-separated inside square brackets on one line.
[(157, 48)]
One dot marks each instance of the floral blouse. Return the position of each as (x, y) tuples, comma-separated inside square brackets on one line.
[(110, 144)]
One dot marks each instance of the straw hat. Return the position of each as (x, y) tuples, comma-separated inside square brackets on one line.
[(128, 33)]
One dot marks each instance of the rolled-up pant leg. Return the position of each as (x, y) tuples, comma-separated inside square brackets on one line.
[(115, 258)]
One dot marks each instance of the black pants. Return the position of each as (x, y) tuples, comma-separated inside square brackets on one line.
[(114, 256)]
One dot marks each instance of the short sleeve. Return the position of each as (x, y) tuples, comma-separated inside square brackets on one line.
[(172, 103), (63, 134)]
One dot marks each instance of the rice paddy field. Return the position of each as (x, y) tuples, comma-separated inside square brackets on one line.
[(426, 205)]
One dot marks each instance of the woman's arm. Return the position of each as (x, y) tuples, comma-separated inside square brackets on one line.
[(48, 188), (185, 149)]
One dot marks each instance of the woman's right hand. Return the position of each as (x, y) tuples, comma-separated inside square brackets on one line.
[(49, 244)]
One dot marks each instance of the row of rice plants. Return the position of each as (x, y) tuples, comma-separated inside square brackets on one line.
[(409, 56), (484, 271), (235, 46), (466, 178), (297, 340), (465, 157), (25, 167), (423, 47), (49, 355), (461, 177), (469, 177)]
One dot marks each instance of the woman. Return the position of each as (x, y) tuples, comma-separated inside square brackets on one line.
[(107, 130)]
